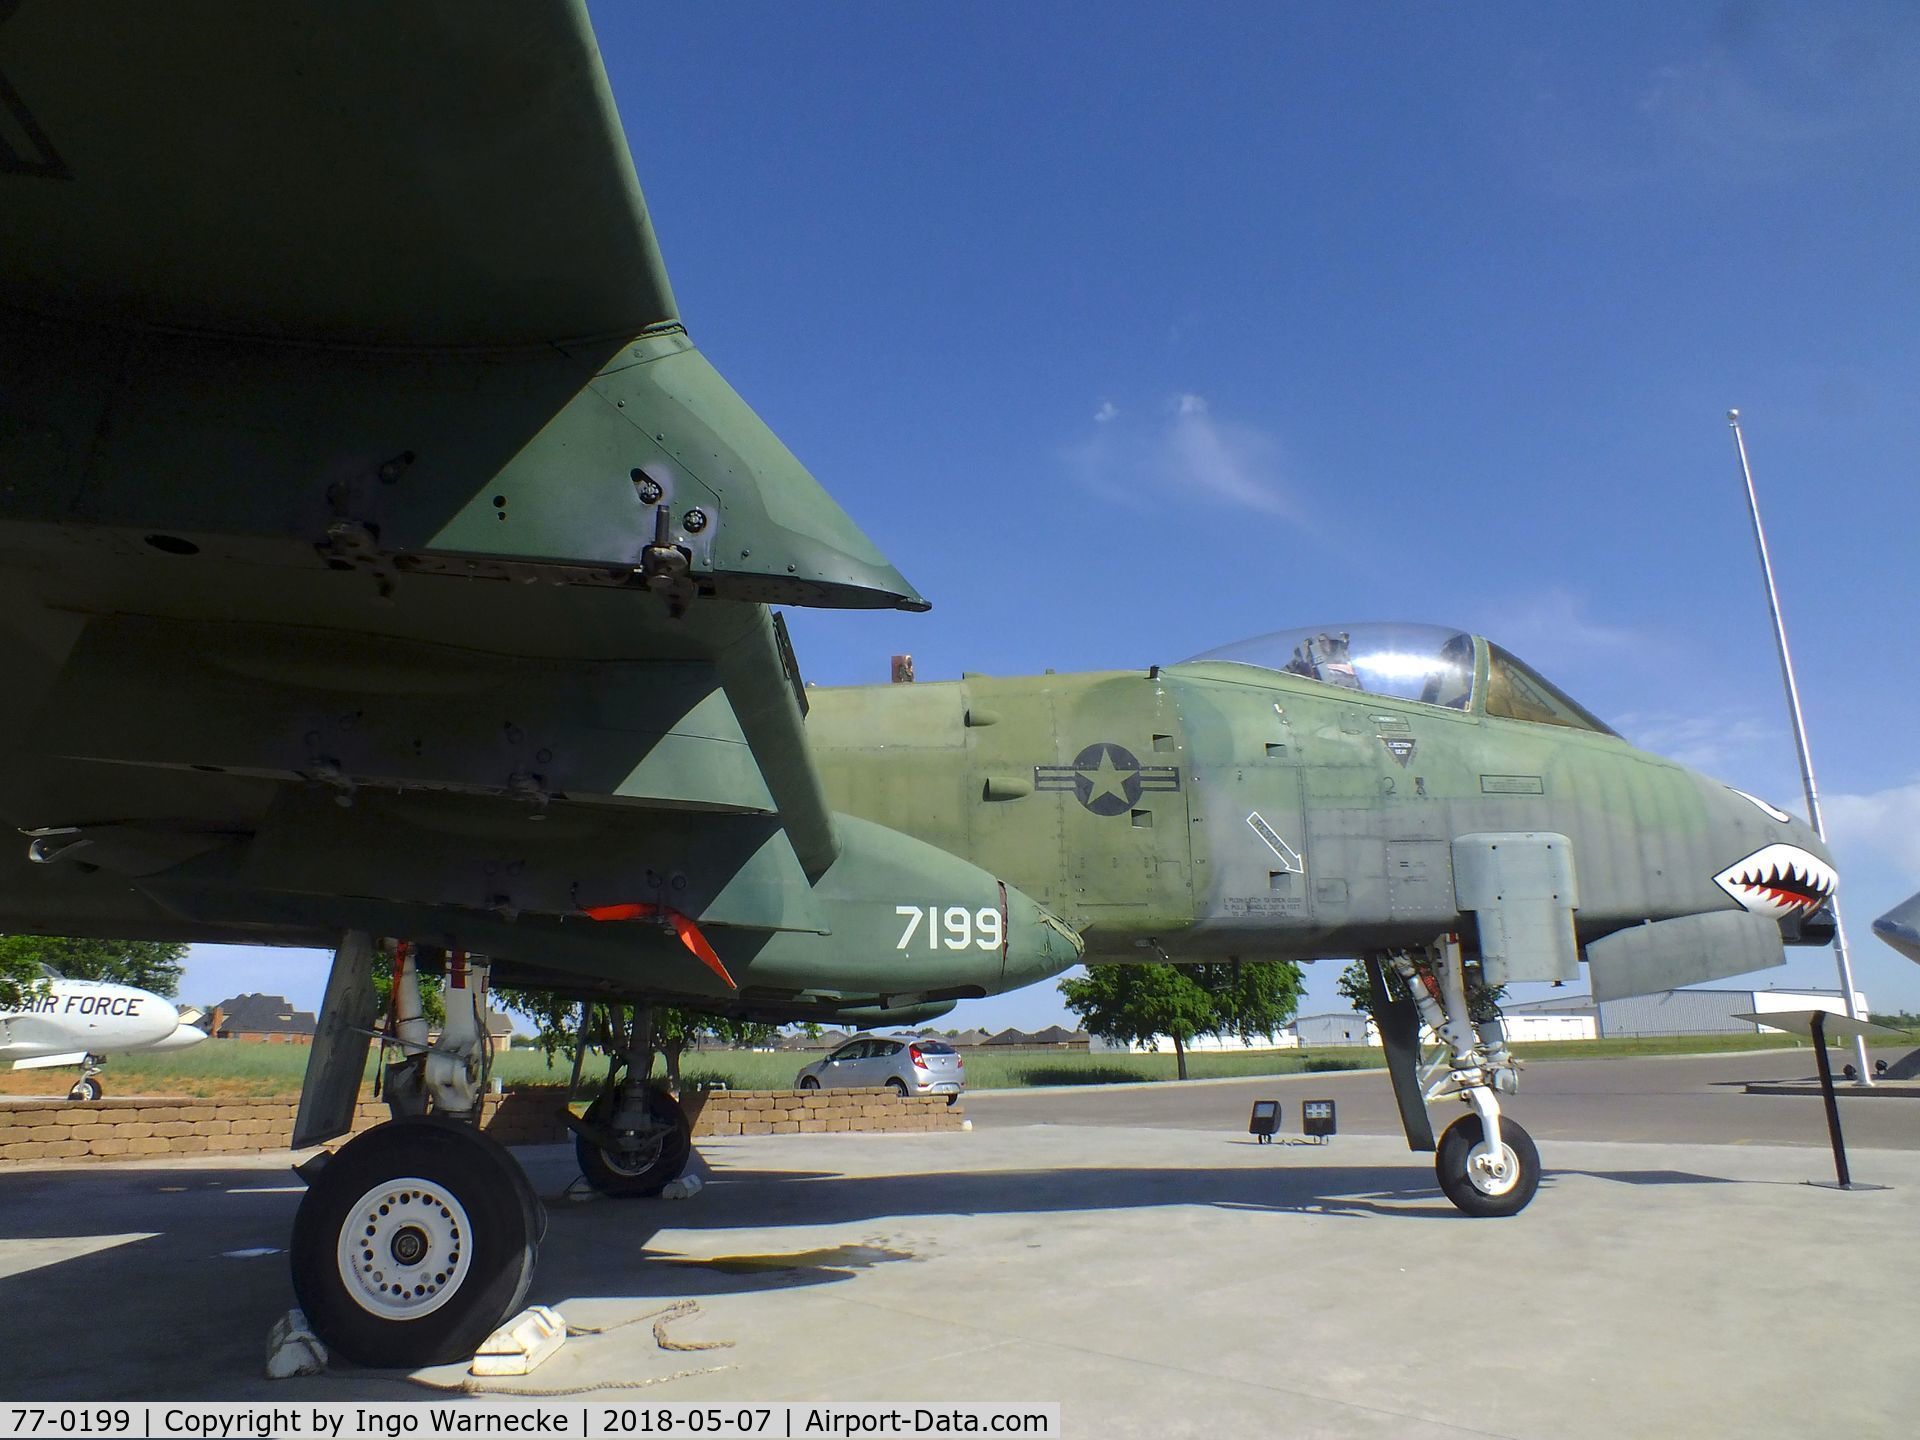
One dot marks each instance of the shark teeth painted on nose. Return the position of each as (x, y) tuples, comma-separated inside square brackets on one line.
[(1779, 880)]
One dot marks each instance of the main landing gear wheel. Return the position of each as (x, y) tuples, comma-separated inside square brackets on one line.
[(651, 1160), (1478, 1182), (413, 1243), (86, 1089)]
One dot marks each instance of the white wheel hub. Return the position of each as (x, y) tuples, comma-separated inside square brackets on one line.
[(405, 1247), (1493, 1174)]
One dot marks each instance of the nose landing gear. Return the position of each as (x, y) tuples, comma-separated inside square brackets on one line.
[(88, 1086), (1487, 1165)]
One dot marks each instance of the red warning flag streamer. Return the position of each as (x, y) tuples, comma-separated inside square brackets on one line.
[(683, 926)]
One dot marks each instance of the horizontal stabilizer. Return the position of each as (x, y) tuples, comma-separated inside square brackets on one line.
[(1686, 950), (1900, 928)]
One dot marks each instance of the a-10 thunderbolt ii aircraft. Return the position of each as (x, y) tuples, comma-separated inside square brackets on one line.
[(381, 561)]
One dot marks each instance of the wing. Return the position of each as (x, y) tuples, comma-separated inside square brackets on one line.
[(378, 553), (405, 248)]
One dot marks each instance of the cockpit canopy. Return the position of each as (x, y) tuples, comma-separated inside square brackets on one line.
[(1432, 664)]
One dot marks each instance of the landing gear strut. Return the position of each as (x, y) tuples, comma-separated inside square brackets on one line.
[(1486, 1164), (634, 1139), (418, 1237), (88, 1086)]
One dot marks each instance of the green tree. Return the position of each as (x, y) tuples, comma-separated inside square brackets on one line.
[(1141, 1003), (676, 1029), (555, 1018), (1355, 988), (149, 964), (1483, 1001), (433, 1003)]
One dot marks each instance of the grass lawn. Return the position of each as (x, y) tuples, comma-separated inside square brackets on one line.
[(238, 1069)]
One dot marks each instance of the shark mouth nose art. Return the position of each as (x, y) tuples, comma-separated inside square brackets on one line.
[(1779, 880)]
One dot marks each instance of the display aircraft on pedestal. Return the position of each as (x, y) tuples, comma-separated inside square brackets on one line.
[(381, 562)]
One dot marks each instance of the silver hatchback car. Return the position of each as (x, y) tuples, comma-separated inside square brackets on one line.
[(909, 1067)]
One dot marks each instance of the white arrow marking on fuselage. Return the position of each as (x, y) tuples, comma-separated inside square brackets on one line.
[(1289, 857)]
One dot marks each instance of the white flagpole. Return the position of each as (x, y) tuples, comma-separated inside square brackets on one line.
[(1864, 1070)]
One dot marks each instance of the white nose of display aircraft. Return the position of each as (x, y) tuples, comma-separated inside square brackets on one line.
[(81, 1022)]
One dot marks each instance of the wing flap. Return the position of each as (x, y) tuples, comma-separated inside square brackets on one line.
[(347, 712)]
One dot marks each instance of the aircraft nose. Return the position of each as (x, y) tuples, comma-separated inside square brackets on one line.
[(1774, 864), (180, 1038)]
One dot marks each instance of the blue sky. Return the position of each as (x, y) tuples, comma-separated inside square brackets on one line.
[(1129, 330)]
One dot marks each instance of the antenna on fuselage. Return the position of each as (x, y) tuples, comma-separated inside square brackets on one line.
[(1864, 1070)]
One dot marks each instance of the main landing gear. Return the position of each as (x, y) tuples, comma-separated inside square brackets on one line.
[(634, 1139), (1486, 1164), (414, 1242), (418, 1237)]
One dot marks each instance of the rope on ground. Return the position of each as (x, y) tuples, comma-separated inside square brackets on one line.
[(662, 1318), (480, 1387)]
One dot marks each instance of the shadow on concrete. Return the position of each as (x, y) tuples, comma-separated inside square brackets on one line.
[(1657, 1177), (182, 1316)]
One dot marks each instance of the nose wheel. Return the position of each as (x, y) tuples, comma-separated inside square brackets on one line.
[(1482, 1180)]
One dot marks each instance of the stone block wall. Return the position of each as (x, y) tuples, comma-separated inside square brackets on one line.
[(133, 1129), (804, 1112)]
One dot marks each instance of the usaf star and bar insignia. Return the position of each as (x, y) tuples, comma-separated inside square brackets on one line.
[(1106, 778)]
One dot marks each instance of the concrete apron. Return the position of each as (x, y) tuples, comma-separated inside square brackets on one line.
[(1155, 1282)]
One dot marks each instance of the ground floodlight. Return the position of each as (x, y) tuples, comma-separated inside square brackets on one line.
[(1266, 1120), (1316, 1119)]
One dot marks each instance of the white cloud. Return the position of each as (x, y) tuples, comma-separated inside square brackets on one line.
[(1776, 98), (1185, 453), (1551, 623), (1728, 745), (1884, 825)]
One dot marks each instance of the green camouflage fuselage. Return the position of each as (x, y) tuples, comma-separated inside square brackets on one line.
[(1212, 808)]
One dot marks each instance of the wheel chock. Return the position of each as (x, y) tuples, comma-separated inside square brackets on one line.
[(687, 1185), (293, 1348), (525, 1342)]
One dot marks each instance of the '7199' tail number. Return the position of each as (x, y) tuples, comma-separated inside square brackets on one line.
[(956, 927)]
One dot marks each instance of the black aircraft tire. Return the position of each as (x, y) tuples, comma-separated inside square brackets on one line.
[(535, 1207), (87, 1090), (619, 1181), (1450, 1165), (421, 1186)]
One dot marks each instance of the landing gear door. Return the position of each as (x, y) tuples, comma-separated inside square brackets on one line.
[(1520, 888)]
